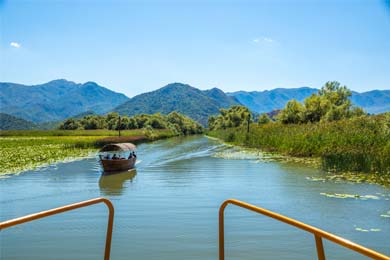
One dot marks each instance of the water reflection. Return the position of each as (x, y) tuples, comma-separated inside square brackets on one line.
[(115, 183)]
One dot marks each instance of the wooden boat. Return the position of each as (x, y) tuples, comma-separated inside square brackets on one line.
[(117, 157)]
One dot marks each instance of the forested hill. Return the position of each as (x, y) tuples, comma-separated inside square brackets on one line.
[(8, 122), (56, 100), (375, 101), (183, 98)]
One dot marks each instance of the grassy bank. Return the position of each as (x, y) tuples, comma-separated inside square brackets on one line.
[(25, 150), (360, 145)]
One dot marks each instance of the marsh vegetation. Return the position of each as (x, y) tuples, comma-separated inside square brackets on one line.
[(327, 126)]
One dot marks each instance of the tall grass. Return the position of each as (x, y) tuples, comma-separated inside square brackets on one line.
[(359, 145)]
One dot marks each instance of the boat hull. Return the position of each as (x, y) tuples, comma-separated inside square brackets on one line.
[(118, 165)]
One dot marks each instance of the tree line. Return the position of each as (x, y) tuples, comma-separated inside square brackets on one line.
[(174, 121), (331, 103)]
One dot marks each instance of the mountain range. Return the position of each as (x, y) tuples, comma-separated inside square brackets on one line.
[(56, 100), (60, 99), (374, 102)]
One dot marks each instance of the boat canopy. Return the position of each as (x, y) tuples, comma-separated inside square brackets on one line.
[(121, 147)]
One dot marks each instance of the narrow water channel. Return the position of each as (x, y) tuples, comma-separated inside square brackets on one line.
[(168, 207)]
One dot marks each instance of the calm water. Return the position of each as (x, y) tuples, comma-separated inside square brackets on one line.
[(168, 207)]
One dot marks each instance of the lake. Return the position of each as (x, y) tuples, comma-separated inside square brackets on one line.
[(168, 207)]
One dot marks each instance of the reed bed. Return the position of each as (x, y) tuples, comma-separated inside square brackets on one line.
[(352, 145)]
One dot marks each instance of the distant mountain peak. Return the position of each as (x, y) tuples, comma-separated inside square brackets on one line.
[(58, 81), (90, 83), (176, 85), (217, 90)]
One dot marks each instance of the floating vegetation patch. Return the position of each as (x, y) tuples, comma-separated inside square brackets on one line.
[(258, 156), (25, 153), (349, 196), (307, 161), (235, 153), (384, 196), (383, 179), (320, 179), (386, 215), (368, 230)]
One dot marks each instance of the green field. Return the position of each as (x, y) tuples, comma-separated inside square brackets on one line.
[(25, 150)]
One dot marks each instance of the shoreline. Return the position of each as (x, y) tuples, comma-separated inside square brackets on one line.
[(315, 162)]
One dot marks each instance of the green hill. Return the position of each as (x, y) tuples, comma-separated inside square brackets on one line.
[(183, 98), (8, 122)]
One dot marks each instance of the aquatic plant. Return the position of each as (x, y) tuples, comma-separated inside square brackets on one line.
[(25, 150), (356, 145)]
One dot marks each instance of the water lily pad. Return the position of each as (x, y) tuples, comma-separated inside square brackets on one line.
[(362, 229), (316, 179), (349, 196)]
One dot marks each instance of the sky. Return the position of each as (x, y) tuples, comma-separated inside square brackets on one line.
[(139, 46)]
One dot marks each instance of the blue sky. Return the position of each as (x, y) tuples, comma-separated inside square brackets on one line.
[(139, 46)]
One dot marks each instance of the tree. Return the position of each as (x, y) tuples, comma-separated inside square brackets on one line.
[(112, 120), (235, 116), (315, 108), (174, 121), (336, 94), (329, 104), (338, 98), (132, 123), (69, 124), (264, 119), (292, 113), (141, 120), (124, 122), (156, 123), (183, 124), (356, 111)]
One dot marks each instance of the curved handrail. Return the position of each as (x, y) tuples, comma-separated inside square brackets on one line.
[(50, 212), (318, 233)]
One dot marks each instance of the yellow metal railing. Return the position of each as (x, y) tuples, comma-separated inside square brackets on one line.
[(318, 233), (47, 213)]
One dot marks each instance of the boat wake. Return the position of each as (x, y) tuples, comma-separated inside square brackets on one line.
[(181, 151)]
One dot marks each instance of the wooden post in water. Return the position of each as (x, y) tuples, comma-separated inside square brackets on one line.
[(119, 125), (249, 121)]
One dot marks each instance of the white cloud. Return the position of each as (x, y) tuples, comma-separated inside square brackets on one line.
[(15, 44), (263, 40), (266, 39)]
